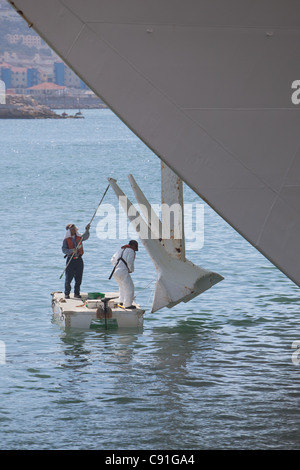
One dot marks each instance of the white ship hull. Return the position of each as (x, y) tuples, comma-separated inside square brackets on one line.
[(211, 87), (84, 314)]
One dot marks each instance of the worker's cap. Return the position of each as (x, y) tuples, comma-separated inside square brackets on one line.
[(70, 226), (134, 243)]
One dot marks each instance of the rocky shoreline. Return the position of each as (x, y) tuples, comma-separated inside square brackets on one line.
[(26, 107)]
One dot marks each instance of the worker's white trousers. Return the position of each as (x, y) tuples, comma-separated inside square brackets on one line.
[(126, 287)]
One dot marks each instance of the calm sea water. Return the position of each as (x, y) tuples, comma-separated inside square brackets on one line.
[(215, 373)]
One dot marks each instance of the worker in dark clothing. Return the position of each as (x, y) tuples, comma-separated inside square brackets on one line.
[(72, 248)]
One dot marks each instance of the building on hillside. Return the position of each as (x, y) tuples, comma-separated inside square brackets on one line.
[(59, 73), (63, 75), (35, 76), (18, 77), (21, 77), (25, 39)]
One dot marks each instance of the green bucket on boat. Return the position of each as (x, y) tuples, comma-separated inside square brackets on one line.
[(95, 295)]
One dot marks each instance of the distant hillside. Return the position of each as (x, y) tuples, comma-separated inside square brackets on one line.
[(12, 23)]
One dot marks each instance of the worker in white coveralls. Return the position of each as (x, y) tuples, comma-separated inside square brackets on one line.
[(123, 261)]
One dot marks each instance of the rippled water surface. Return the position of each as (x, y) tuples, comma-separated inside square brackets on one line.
[(216, 373)]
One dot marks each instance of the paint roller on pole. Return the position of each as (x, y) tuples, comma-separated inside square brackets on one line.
[(80, 242)]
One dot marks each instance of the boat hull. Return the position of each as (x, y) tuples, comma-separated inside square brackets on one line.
[(84, 314)]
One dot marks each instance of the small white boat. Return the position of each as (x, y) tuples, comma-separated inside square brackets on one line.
[(94, 310)]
